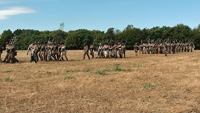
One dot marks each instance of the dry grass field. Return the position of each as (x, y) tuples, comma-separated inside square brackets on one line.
[(146, 83)]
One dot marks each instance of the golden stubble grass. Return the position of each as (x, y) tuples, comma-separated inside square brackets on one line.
[(146, 83)]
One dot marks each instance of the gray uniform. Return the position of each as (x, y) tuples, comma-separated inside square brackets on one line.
[(110, 52), (1, 51), (41, 52), (92, 51), (6, 57), (11, 54), (136, 48), (32, 49), (63, 53), (106, 51), (51, 53), (100, 51), (46, 51), (115, 48), (59, 51), (85, 50), (144, 49), (124, 50), (120, 50)]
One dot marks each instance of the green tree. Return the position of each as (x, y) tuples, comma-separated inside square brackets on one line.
[(5, 37)]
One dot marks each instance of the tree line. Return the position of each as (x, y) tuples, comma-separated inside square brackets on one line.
[(74, 39)]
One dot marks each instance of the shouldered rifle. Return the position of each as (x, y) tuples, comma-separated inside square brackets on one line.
[(53, 40), (125, 42), (13, 40), (93, 42)]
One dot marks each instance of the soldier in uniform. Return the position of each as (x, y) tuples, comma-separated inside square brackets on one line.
[(37, 44), (144, 48), (6, 57), (54, 51), (168, 48), (110, 51), (46, 51), (41, 52), (123, 49), (190, 48), (92, 50), (120, 50), (155, 48), (140, 49), (181, 47), (85, 49), (193, 47), (136, 48), (33, 54), (59, 51), (100, 51), (147, 48), (115, 48), (151, 48), (165, 49), (51, 52), (32, 49), (173, 47), (106, 50), (177, 47), (11, 54), (63, 52), (159, 50), (1, 51)]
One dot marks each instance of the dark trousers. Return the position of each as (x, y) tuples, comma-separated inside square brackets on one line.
[(87, 55), (33, 59)]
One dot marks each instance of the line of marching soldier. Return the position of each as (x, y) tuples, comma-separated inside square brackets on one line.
[(10, 53), (106, 51), (163, 48), (47, 52)]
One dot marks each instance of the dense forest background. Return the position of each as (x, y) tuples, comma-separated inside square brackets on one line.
[(74, 39)]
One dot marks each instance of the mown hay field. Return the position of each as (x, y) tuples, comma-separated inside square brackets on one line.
[(146, 83)]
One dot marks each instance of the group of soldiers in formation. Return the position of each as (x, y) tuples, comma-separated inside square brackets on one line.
[(10, 53), (53, 51), (106, 51), (165, 48), (47, 52)]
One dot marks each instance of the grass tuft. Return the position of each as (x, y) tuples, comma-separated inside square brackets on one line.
[(8, 71), (88, 70), (101, 72), (148, 86), (137, 65), (72, 65), (67, 71), (68, 77), (117, 68), (48, 72), (8, 79), (31, 102), (57, 73)]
